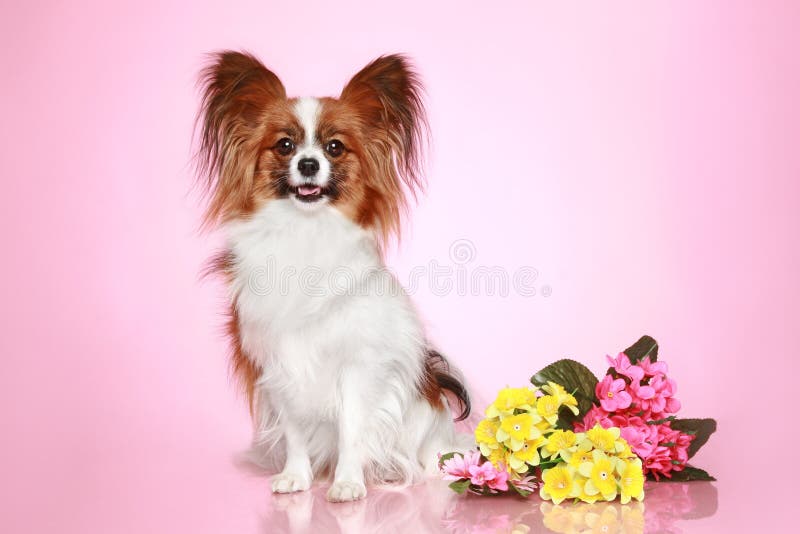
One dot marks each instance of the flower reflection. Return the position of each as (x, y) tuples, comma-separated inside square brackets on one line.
[(671, 504), (600, 517), (431, 507)]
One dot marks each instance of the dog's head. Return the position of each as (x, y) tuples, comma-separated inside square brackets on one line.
[(359, 153)]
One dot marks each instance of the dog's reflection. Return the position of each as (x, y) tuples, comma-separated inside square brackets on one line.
[(419, 508)]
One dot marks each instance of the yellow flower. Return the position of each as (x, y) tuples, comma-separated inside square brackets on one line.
[(600, 473), (510, 399), (561, 395), (631, 480), (516, 429), (526, 456), (498, 456), (625, 451), (486, 436), (558, 483), (580, 457), (604, 439), (547, 406), (579, 491), (581, 453), (560, 441), (543, 425)]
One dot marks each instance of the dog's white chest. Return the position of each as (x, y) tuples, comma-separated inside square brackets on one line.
[(294, 271)]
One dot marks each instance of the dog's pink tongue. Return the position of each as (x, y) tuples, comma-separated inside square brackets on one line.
[(308, 190)]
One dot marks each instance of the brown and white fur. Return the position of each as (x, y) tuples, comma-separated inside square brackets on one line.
[(327, 346)]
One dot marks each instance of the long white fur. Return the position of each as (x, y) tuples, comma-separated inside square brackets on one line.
[(341, 347)]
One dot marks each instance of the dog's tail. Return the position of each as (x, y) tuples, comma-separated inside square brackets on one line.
[(442, 378)]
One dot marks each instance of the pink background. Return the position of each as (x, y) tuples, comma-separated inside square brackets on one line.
[(643, 158)]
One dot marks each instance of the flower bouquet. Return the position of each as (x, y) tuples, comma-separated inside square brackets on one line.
[(574, 436)]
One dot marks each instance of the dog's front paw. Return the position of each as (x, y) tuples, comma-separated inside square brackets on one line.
[(290, 483), (343, 491)]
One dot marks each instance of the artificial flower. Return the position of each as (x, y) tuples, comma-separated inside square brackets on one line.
[(624, 436), (547, 406), (510, 399), (499, 481), (604, 439), (600, 473), (653, 368), (559, 443), (595, 416), (486, 436), (515, 430), (527, 455), (562, 397), (612, 395), (640, 436), (558, 483), (527, 483), (623, 366), (481, 474), (458, 466), (581, 455), (659, 462), (579, 489), (498, 456), (631, 480)]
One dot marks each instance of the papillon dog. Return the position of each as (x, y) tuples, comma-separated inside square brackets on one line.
[(328, 348)]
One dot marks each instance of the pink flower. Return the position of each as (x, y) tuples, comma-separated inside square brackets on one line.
[(612, 395), (642, 392), (500, 480), (642, 437), (671, 454), (458, 466), (673, 405), (528, 483), (595, 415), (659, 463), (623, 366), (652, 368), (483, 474), (662, 401)]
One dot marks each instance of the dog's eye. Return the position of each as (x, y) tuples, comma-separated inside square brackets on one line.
[(285, 146), (334, 148)]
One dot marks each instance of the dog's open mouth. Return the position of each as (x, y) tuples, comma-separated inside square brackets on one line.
[(308, 192)]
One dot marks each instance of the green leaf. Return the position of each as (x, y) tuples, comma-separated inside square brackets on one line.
[(689, 473), (445, 457), (573, 376), (460, 486), (646, 346), (702, 429)]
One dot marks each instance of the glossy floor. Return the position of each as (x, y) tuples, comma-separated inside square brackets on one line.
[(432, 507)]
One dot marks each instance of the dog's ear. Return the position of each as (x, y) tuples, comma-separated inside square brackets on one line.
[(237, 90), (388, 95)]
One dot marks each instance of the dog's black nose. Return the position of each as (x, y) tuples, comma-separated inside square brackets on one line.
[(308, 167)]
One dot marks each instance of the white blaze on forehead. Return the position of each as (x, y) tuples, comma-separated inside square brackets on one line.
[(307, 110)]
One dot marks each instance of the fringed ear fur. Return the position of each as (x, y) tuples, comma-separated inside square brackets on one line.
[(387, 95), (237, 89)]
